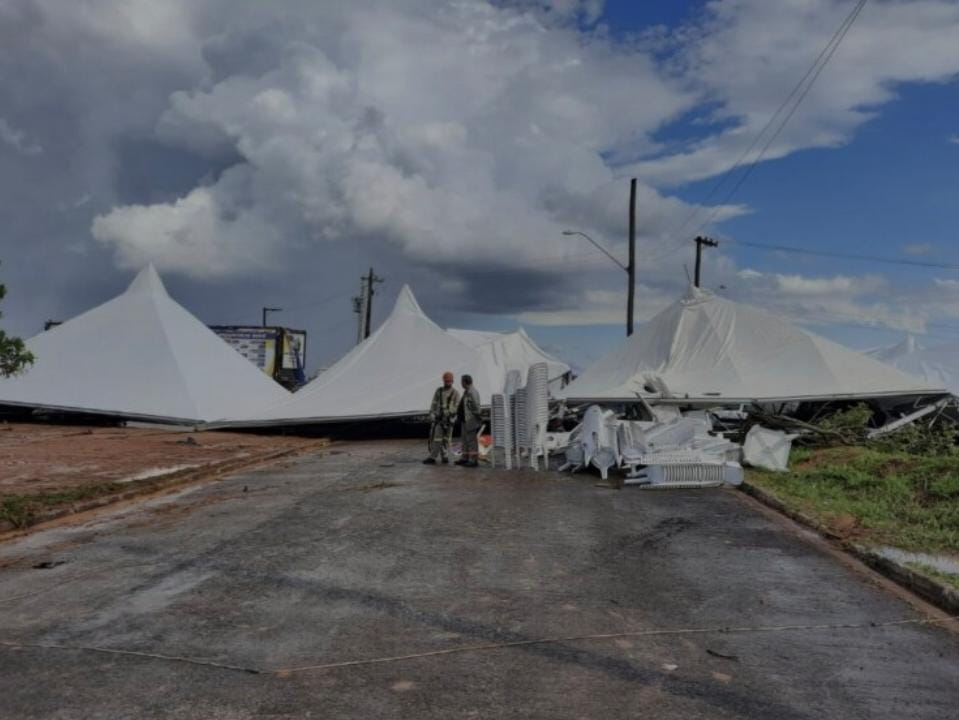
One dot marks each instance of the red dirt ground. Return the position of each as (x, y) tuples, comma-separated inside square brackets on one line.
[(45, 458)]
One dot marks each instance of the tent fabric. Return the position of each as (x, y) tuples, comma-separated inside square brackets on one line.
[(501, 352), (391, 374), (143, 356), (707, 349), (936, 365)]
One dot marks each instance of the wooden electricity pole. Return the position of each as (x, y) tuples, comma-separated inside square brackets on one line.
[(368, 305), (701, 242), (631, 267)]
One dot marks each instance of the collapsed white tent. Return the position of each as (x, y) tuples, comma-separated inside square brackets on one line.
[(934, 365), (139, 356), (391, 374), (707, 349), (501, 352)]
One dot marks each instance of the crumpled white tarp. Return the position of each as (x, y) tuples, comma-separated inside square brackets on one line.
[(769, 449), (705, 348)]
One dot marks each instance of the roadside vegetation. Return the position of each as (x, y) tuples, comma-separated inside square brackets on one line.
[(14, 357), (900, 490), (23, 510), (876, 496)]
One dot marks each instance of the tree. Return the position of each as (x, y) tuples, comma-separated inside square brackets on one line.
[(14, 357)]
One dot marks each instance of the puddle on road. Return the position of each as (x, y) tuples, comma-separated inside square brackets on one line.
[(157, 471), (942, 563)]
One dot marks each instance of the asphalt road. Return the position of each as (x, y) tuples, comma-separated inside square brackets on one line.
[(363, 553)]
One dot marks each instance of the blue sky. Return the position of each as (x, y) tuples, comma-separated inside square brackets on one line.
[(894, 185)]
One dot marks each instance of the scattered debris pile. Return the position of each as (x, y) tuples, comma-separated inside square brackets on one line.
[(674, 450), (708, 448)]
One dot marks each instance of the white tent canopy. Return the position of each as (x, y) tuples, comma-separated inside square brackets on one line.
[(391, 374), (704, 348), (934, 365), (140, 356), (501, 352)]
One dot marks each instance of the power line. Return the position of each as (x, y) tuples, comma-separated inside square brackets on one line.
[(322, 301), (837, 41), (847, 256), (801, 89), (834, 317)]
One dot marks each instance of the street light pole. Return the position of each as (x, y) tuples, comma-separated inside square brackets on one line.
[(603, 250), (631, 267), (267, 310)]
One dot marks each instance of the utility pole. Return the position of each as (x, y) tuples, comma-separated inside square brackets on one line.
[(359, 307), (363, 305), (268, 310), (631, 267), (371, 279), (701, 242)]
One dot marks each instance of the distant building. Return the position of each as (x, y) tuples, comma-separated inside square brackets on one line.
[(279, 352)]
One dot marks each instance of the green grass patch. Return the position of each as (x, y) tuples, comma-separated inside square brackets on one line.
[(951, 579), (22, 510), (880, 497)]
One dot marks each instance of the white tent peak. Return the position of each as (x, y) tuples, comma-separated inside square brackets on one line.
[(140, 355), (938, 364), (697, 294), (147, 282), (392, 373), (909, 344), (406, 303)]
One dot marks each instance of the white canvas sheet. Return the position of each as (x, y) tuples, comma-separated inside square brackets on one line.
[(140, 355), (704, 348)]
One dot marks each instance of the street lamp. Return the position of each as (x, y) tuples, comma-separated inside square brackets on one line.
[(603, 250), (630, 271), (267, 310)]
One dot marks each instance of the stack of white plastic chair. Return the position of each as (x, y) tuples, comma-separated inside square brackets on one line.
[(502, 429), (537, 413), (519, 418)]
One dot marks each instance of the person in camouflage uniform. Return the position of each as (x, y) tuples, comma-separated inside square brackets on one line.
[(442, 417), (469, 415)]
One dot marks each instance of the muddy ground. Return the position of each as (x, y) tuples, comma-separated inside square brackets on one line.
[(48, 458)]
